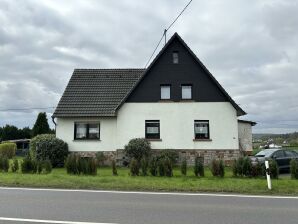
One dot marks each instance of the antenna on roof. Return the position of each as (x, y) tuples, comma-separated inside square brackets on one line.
[(165, 32)]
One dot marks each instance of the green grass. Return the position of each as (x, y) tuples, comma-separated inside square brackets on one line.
[(104, 180)]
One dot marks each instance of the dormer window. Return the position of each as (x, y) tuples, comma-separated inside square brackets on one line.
[(175, 57), (165, 92)]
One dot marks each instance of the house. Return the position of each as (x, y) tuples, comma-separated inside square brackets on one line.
[(175, 103)]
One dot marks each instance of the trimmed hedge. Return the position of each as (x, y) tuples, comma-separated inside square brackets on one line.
[(217, 168), (8, 149), (48, 147)]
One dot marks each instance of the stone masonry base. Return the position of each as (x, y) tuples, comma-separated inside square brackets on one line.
[(189, 154)]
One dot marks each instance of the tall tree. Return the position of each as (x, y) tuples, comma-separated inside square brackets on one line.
[(41, 125)]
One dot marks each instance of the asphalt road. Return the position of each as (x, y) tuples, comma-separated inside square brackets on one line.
[(130, 208)]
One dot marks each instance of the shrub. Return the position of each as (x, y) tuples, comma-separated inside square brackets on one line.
[(247, 166), (172, 154), (161, 167), (217, 168), (199, 167), (294, 169), (27, 165), (8, 150), (87, 166), (274, 170), (153, 166), (92, 166), (15, 165), (138, 148), (71, 164), (4, 164), (134, 167), (114, 168), (100, 157), (47, 166), (168, 168), (39, 167), (144, 166), (239, 166), (256, 170), (235, 168), (184, 167), (47, 146)]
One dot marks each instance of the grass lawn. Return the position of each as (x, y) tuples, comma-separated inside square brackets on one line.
[(104, 180)]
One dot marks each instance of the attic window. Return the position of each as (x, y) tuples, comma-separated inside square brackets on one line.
[(165, 92), (175, 57)]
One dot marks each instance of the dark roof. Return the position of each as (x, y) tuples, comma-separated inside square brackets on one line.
[(239, 110), (96, 92), (248, 122)]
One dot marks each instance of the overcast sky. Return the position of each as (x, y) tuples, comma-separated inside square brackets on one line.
[(249, 46)]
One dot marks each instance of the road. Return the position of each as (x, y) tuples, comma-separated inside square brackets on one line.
[(60, 206)]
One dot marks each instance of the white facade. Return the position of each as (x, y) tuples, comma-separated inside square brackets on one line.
[(176, 126)]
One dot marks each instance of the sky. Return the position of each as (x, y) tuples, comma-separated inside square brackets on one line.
[(249, 46)]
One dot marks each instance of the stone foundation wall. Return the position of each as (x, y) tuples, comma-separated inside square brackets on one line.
[(208, 155)]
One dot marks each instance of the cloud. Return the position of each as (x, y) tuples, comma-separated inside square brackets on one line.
[(249, 46)]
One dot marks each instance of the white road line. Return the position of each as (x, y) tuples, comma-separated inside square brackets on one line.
[(48, 221), (151, 193)]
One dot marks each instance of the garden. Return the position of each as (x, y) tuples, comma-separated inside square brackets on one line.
[(50, 165)]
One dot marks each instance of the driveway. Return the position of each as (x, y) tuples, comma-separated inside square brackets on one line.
[(63, 206)]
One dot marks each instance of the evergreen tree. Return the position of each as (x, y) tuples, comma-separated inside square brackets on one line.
[(41, 125)]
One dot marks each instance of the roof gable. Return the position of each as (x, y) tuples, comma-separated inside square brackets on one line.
[(163, 71)]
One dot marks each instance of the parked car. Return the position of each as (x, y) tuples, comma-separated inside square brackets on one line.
[(281, 156)]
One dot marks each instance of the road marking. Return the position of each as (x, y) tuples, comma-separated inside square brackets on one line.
[(49, 221), (151, 193)]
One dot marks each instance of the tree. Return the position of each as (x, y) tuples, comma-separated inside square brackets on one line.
[(41, 125)]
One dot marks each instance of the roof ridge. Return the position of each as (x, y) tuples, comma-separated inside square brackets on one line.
[(109, 69)]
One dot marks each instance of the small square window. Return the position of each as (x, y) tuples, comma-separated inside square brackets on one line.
[(175, 57), (152, 129), (201, 129), (165, 92), (186, 92)]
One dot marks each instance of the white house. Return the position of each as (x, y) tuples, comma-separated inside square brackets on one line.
[(175, 103)]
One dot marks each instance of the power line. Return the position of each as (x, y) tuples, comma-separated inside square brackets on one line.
[(165, 32), (24, 109)]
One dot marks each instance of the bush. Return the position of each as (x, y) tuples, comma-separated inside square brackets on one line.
[(172, 154), (161, 167), (184, 167), (39, 167), (47, 146), (4, 164), (114, 168), (153, 166), (217, 168), (168, 168), (239, 166), (199, 167), (138, 148), (242, 167), (144, 166), (247, 166), (75, 164), (274, 170), (235, 168), (47, 166), (134, 167), (71, 164), (101, 158), (8, 150), (27, 165), (294, 169), (256, 170), (15, 165)]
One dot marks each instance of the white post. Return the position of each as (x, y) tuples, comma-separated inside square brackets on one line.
[(268, 175)]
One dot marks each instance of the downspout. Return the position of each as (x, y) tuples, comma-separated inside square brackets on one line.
[(53, 119)]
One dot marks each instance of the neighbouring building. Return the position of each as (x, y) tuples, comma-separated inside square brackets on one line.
[(175, 103), (245, 136)]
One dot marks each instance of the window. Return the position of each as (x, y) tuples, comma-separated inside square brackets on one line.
[(152, 129), (201, 129), (165, 92), (290, 154), (87, 131), (186, 92), (279, 154), (175, 57)]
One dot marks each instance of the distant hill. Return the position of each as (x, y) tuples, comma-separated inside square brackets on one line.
[(289, 138)]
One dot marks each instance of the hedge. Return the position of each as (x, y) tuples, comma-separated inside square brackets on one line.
[(8, 150)]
